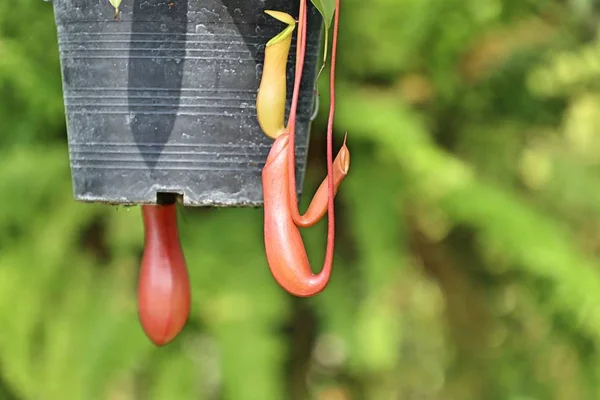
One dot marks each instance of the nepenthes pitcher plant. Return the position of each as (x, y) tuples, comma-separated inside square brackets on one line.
[(284, 247), (163, 288)]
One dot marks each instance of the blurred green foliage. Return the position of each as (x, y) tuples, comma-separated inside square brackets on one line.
[(469, 236)]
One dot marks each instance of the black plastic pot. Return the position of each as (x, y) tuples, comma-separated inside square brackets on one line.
[(163, 99)]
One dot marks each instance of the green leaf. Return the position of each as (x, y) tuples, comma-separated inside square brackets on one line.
[(326, 8)]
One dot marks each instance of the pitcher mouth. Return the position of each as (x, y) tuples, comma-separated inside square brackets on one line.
[(278, 148)]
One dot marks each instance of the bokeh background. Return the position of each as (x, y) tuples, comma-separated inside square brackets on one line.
[(469, 227)]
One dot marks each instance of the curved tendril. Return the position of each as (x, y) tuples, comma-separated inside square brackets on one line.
[(300, 56), (304, 220)]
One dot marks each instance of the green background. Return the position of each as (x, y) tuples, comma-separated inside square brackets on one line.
[(467, 261)]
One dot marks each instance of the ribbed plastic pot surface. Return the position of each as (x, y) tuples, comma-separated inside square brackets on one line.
[(163, 99)]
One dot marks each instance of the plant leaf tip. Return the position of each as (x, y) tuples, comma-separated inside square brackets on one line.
[(345, 155)]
